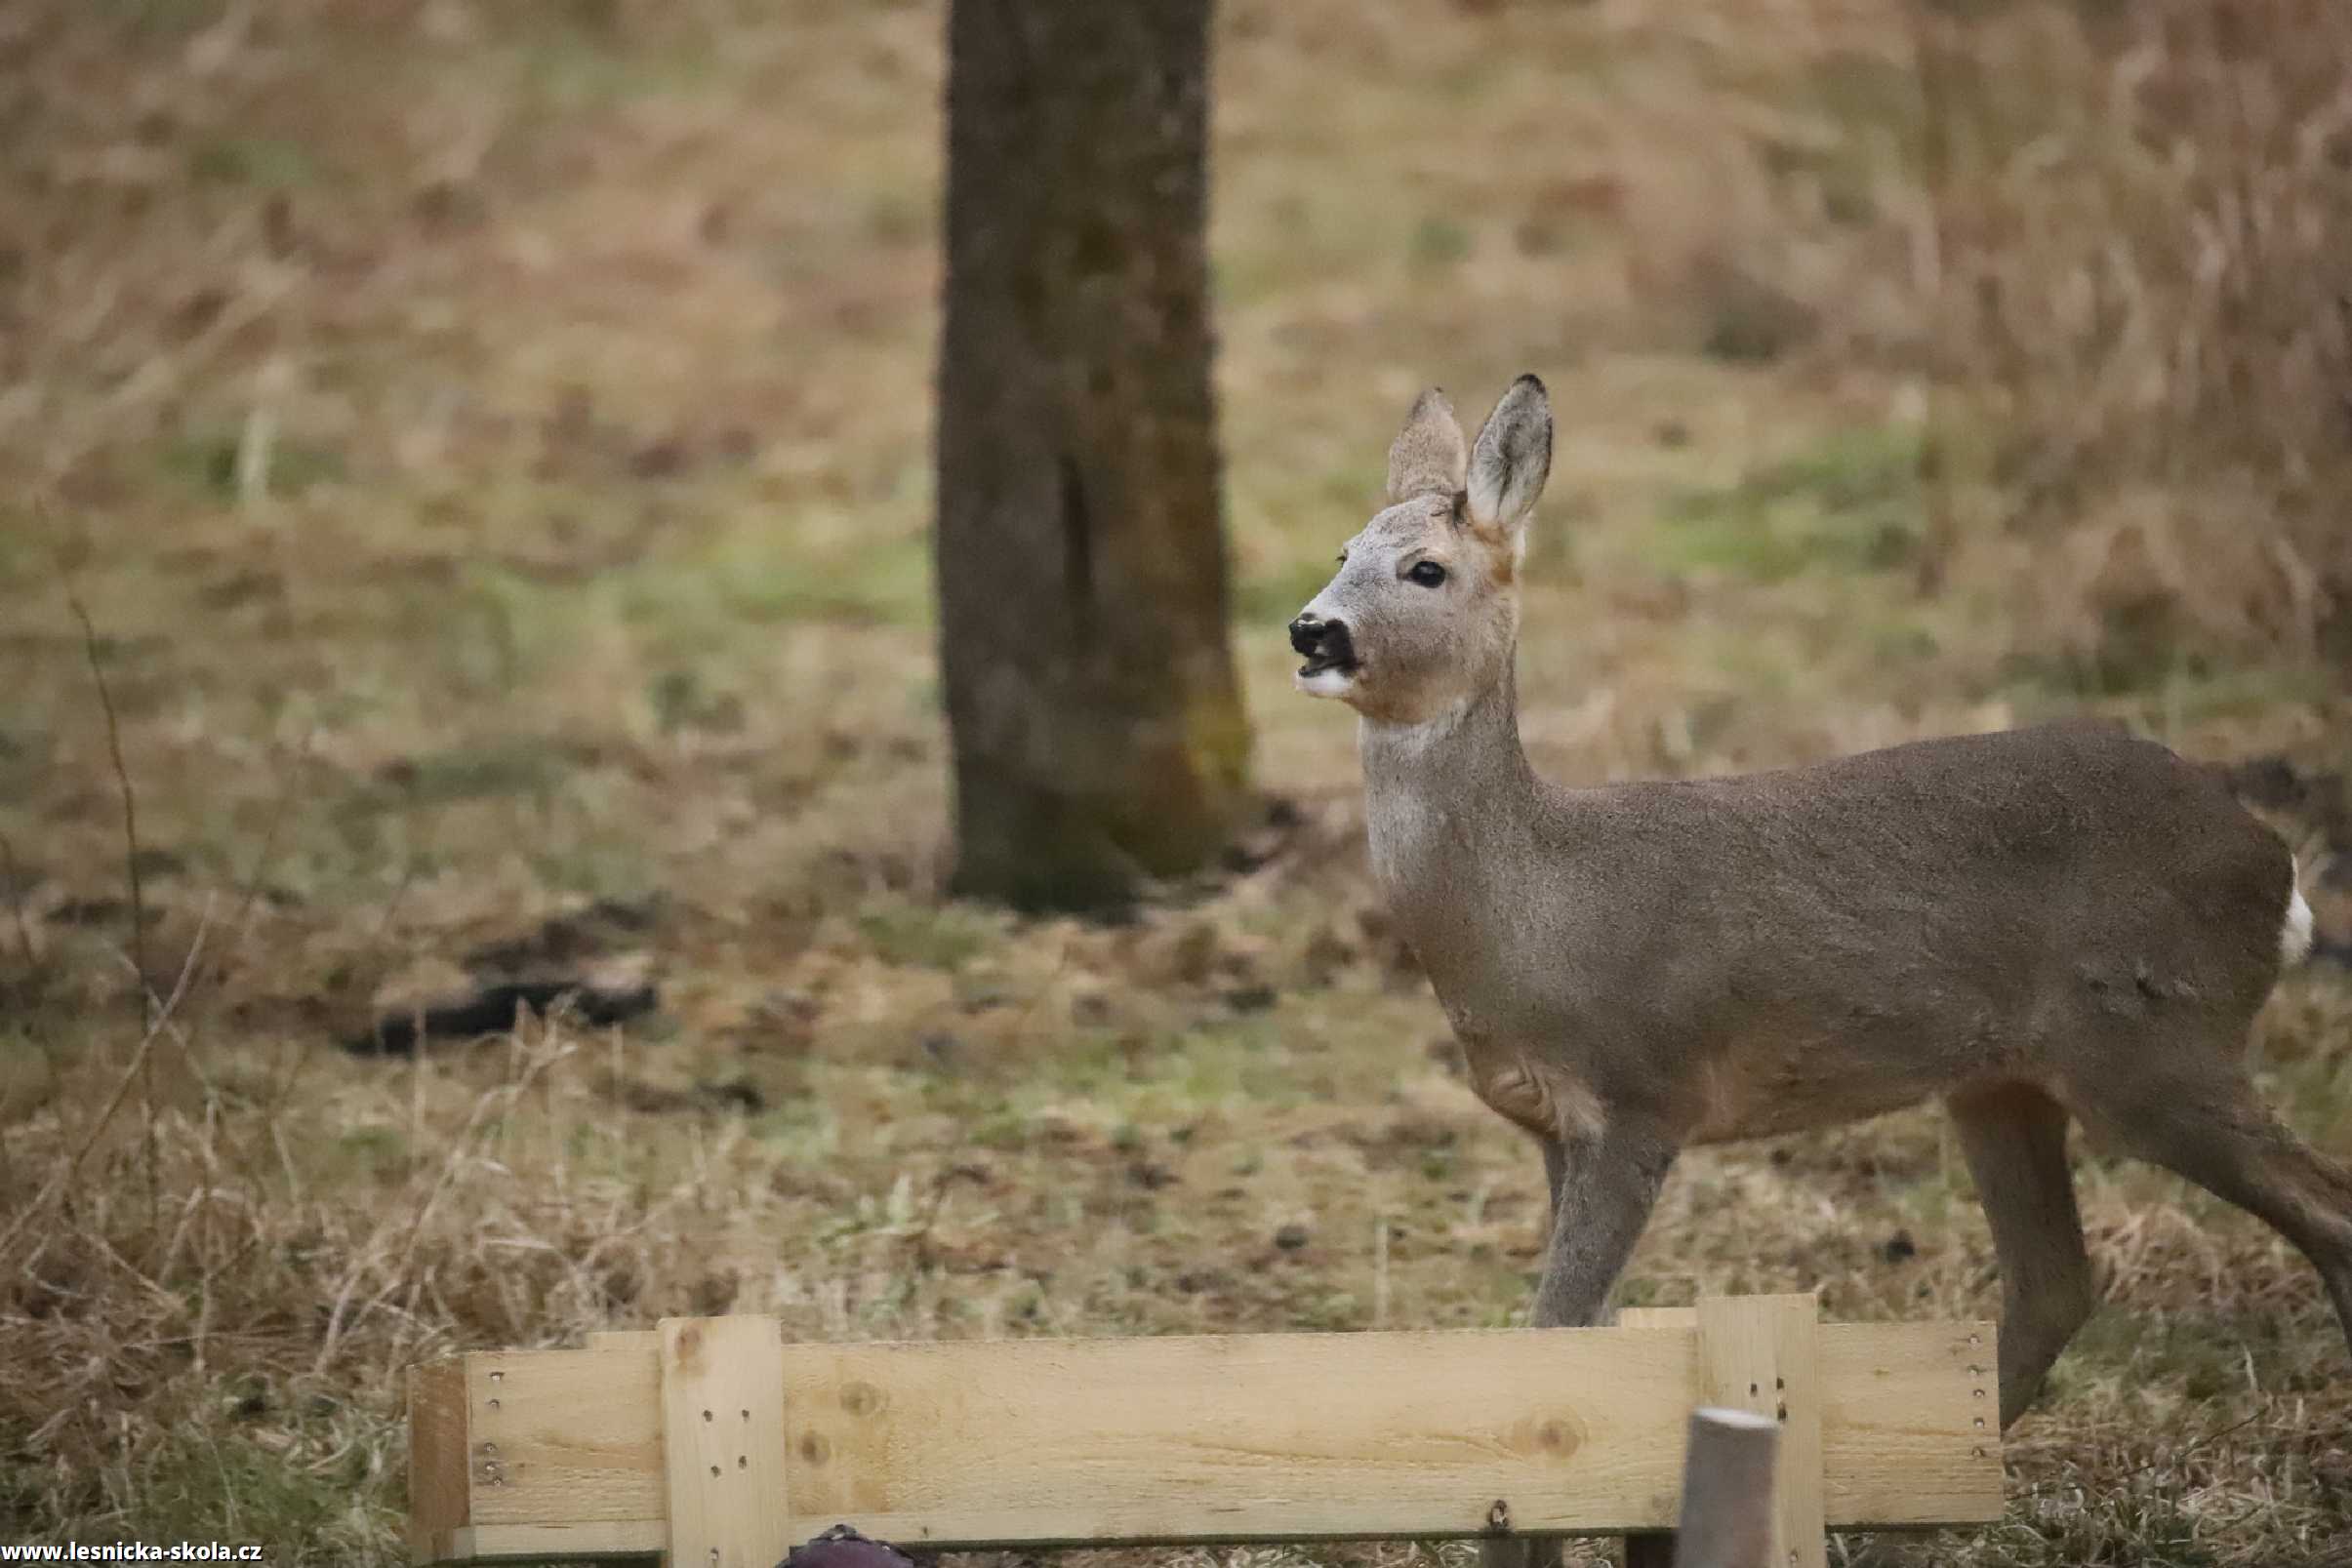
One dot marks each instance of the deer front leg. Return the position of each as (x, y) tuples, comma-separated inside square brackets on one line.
[(1555, 1176), (1603, 1184)]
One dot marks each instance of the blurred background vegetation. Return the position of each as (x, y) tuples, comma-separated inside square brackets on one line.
[(465, 495)]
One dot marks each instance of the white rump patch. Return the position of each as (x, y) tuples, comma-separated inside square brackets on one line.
[(2294, 936), (1326, 683)]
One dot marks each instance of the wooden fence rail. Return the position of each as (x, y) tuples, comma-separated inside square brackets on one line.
[(717, 1444)]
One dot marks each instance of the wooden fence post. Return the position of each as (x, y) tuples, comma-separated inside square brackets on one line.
[(1759, 1354), (722, 1441)]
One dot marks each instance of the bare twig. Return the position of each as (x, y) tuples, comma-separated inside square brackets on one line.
[(122, 780), (245, 1152), (339, 1317), (266, 857), (133, 1070), (138, 903)]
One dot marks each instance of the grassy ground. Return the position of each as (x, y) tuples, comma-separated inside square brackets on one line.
[(489, 445)]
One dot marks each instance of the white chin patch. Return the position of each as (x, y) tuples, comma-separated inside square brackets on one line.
[(1326, 683)]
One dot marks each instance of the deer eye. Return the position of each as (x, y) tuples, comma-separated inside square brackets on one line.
[(1428, 574)]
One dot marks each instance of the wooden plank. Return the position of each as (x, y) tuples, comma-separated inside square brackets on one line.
[(1910, 1432), (723, 1410), (1244, 1437), (564, 1437), (1657, 1317), (1656, 1549), (605, 1539), (1759, 1356), (436, 1456)]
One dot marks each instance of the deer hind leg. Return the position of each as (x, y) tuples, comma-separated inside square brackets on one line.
[(2014, 1138), (2207, 1124)]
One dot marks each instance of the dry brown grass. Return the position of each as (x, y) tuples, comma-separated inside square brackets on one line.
[(2144, 222), (490, 443)]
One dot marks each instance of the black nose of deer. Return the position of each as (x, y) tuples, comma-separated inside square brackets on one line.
[(1324, 644)]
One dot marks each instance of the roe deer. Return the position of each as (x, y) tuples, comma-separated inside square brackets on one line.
[(2053, 922)]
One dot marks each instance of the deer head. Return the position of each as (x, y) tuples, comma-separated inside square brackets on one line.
[(1422, 614)]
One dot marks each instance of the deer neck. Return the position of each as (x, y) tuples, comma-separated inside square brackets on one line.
[(1450, 806)]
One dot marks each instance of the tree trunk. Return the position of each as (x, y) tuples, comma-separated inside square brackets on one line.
[(1097, 724)]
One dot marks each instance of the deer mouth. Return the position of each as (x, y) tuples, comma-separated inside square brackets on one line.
[(1340, 660), (1329, 672)]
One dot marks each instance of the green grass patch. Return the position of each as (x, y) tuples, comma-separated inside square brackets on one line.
[(268, 163), (214, 1482), (520, 766), (928, 935), (1439, 242), (586, 55), (207, 462), (166, 18), (2166, 691), (1850, 504), (778, 574), (373, 1153)]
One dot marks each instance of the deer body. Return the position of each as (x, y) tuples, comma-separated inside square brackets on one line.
[(2032, 926), (1784, 950)]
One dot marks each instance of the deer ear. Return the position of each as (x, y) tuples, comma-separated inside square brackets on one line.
[(1513, 458), (1428, 456)]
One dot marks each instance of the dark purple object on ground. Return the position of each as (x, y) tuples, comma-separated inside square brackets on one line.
[(843, 1548)]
